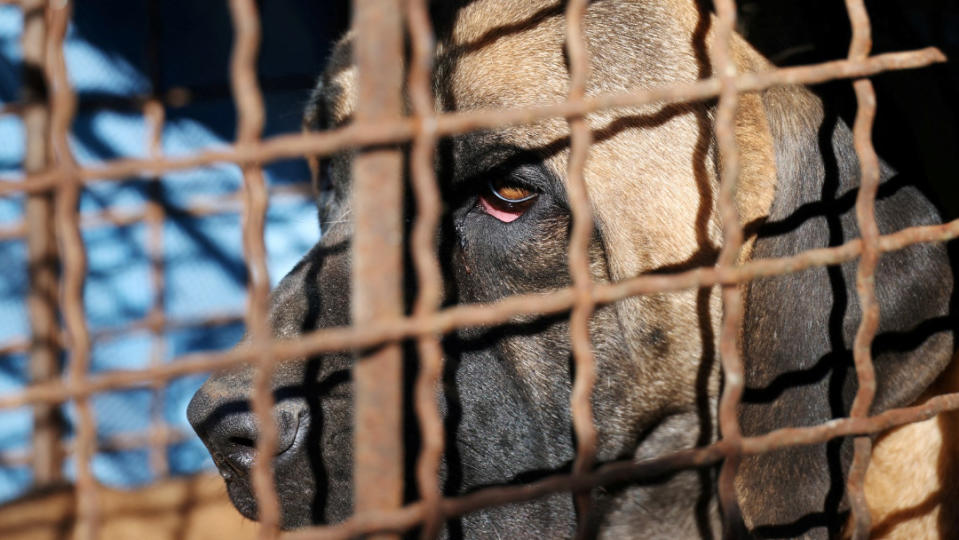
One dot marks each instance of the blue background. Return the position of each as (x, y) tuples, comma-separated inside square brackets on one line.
[(108, 60)]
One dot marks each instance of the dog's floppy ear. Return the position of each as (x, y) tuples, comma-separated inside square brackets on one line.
[(799, 328)]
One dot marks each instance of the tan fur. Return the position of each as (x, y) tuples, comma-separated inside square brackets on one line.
[(912, 484), (653, 189), (186, 508), (757, 178), (649, 174)]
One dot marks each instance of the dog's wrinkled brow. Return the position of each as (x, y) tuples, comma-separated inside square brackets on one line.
[(477, 156)]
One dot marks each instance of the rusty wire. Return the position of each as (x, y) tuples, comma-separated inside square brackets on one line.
[(377, 508), (732, 297), (626, 471), (584, 360), (377, 258), (42, 257), (251, 117), (429, 276), (201, 207), (866, 271), (155, 218), (62, 107), (156, 435), (474, 315), (400, 130)]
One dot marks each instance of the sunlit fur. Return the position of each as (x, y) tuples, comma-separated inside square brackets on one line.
[(652, 176)]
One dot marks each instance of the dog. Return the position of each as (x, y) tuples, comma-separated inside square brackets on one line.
[(652, 179)]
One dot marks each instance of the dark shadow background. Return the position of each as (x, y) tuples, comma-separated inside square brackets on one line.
[(917, 122)]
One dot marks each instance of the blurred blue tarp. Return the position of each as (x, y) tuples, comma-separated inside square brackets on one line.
[(108, 58)]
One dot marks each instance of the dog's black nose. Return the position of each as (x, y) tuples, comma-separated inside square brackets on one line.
[(222, 417)]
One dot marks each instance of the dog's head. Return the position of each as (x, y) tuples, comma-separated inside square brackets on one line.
[(652, 181)]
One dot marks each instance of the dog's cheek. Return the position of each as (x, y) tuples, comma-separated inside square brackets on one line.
[(500, 259)]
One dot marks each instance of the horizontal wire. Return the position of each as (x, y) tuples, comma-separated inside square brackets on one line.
[(344, 338)]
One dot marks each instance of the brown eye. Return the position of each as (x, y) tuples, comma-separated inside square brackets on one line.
[(507, 202), (511, 193)]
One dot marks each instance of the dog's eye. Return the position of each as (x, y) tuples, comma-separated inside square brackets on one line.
[(506, 201)]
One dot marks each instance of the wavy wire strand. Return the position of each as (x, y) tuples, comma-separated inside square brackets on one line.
[(347, 338), (584, 360), (865, 274), (429, 277), (631, 471), (63, 107), (251, 117), (401, 130), (732, 297)]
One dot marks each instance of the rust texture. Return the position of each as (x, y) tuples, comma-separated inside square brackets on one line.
[(865, 273), (399, 130), (53, 182), (66, 219), (584, 362), (632, 471), (423, 245), (465, 316), (251, 117), (732, 297), (155, 215), (473, 315), (155, 218), (42, 256), (377, 258)]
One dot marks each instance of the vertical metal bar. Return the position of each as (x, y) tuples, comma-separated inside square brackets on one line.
[(251, 119), (63, 107), (42, 256), (732, 245), (378, 259), (865, 274), (155, 217), (429, 276), (584, 360)]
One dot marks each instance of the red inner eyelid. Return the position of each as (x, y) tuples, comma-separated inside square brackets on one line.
[(502, 211), (502, 208)]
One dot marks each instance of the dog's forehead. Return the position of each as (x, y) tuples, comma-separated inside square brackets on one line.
[(513, 54), (499, 54), (507, 57), (503, 53), (494, 54)]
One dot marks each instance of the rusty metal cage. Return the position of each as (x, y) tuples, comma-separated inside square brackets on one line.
[(52, 181)]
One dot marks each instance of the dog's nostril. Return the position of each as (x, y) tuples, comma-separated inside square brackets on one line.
[(236, 444), (242, 441), (230, 429), (234, 438), (287, 425)]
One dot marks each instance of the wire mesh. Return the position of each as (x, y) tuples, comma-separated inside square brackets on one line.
[(732, 299), (55, 175), (583, 305), (377, 259)]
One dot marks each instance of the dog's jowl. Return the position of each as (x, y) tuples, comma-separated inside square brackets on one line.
[(652, 177)]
